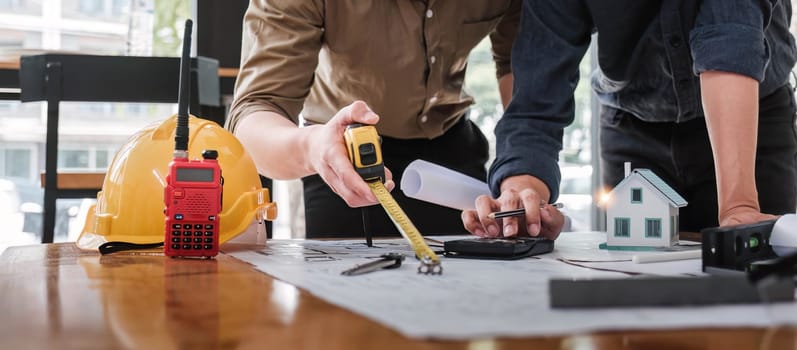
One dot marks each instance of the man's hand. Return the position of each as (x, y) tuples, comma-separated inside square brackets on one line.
[(541, 219), (327, 155), (744, 215)]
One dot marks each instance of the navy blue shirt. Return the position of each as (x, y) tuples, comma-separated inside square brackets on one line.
[(649, 56)]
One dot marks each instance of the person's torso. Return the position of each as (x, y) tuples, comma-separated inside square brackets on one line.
[(406, 59), (650, 75)]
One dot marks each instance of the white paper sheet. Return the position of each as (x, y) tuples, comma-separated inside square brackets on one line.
[(442, 186), (479, 298)]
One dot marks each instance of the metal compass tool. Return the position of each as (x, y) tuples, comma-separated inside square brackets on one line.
[(386, 261)]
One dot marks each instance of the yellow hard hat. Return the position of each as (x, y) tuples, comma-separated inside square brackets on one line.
[(130, 206)]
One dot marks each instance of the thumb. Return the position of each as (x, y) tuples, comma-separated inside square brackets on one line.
[(357, 112)]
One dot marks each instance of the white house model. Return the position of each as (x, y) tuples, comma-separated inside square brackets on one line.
[(642, 211)]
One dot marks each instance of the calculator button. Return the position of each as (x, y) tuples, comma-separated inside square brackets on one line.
[(197, 246), (197, 233), (186, 246), (186, 233), (208, 240), (198, 227), (176, 226), (197, 240), (176, 239), (175, 233), (187, 239), (178, 216), (208, 233), (208, 226), (208, 246), (175, 246)]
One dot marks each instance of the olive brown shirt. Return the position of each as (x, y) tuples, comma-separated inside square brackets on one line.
[(405, 58)]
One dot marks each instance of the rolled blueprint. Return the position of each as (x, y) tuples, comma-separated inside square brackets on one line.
[(784, 235), (436, 184)]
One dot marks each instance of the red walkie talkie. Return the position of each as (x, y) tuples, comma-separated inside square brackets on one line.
[(193, 193)]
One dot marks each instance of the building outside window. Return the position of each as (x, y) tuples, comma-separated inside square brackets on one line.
[(90, 133)]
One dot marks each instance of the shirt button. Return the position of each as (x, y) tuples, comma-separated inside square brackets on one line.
[(429, 13), (432, 59), (424, 118)]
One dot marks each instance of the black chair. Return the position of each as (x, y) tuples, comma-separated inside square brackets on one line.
[(55, 78)]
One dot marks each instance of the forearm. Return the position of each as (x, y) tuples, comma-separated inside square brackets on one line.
[(730, 103), (505, 89), (277, 146)]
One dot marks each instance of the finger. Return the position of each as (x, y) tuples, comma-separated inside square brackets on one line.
[(342, 189), (357, 112), (510, 201), (552, 221), (531, 201), (351, 187), (470, 219), (484, 206)]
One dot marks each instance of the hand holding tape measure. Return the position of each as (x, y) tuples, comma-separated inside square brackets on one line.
[(365, 153)]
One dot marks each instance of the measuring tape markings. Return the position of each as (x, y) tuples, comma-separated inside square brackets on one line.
[(403, 223), (366, 156)]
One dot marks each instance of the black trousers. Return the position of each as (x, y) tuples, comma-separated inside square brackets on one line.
[(680, 153), (462, 148)]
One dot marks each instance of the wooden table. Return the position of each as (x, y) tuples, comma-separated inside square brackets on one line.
[(56, 296)]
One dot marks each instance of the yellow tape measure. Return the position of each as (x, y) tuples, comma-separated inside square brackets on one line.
[(362, 143)]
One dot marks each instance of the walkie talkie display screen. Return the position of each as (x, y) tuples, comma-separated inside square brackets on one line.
[(194, 175)]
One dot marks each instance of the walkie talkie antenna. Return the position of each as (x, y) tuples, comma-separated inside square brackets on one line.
[(183, 95)]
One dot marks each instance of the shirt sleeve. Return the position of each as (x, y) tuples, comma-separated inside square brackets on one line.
[(729, 36), (502, 38), (553, 37), (279, 53)]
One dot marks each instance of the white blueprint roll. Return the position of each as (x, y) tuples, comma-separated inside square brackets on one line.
[(436, 184)]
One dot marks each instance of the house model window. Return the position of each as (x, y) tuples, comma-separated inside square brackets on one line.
[(622, 227), (652, 228), (636, 195), (642, 212)]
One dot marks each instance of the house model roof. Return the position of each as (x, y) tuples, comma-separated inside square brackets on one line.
[(659, 184)]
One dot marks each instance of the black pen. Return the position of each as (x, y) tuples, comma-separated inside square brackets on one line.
[(518, 212)]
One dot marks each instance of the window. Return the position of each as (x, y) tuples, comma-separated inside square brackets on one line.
[(652, 228), (102, 158), (73, 159), (90, 133), (16, 163), (636, 195), (622, 227)]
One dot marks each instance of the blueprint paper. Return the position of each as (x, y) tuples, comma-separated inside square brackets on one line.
[(482, 298), (442, 186)]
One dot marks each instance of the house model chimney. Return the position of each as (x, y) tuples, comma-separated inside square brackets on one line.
[(627, 166)]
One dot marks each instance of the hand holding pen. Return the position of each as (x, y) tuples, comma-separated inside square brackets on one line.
[(537, 219)]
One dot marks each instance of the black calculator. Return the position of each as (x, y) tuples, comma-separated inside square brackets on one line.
[(498, 248)]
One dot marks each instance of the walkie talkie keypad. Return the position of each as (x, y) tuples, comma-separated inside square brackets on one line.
[(194, 240)]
